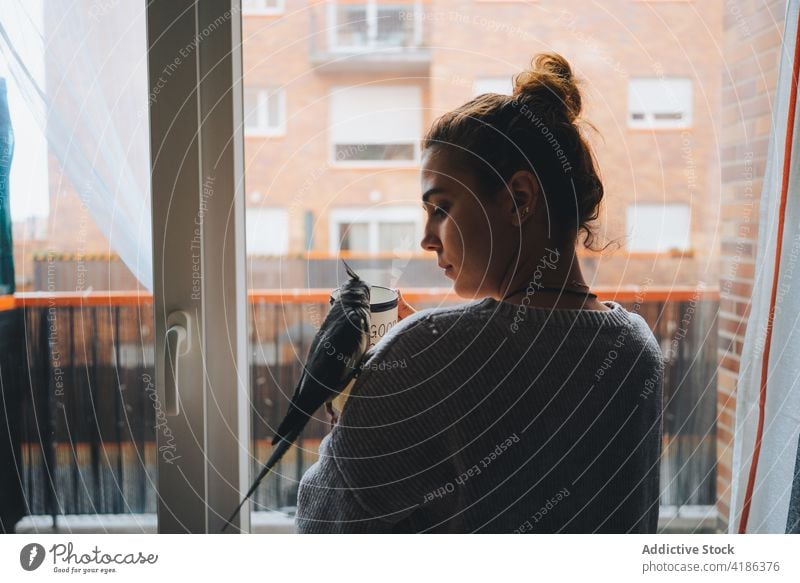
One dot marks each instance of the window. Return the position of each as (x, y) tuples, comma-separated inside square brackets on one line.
[(354, 236), (262, 6), (375, 124), (264, 111), (267, 231), (660, 102), (351, 27), (659, 227), (367, 24), (397, 236), (392, 25), (375, 229), (502, 85)]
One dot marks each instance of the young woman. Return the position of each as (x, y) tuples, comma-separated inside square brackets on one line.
[(532, 408)]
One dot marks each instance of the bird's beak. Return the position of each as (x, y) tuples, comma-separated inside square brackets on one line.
[(350, 272)]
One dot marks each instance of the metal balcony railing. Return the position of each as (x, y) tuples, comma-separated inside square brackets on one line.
[(81, 371)]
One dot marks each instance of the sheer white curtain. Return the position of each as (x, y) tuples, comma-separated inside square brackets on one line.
[(765, 496), (91, 103)]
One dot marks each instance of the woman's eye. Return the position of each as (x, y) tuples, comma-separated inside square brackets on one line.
[(436, 211)]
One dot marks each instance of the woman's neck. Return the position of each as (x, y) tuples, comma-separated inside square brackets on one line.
[(551, 278)]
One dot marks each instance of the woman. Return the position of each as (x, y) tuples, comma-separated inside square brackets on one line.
[(532, 408)]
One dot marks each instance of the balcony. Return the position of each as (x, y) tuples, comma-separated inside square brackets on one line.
[(79, 370), (368, 36)]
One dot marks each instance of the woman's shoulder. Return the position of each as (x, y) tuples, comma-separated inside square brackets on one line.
[(417, 344), (423, 324)]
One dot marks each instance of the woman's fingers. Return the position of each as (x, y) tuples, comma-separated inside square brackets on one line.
[(403, 308)]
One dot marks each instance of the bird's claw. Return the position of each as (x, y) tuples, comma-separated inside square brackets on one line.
[(333, 417)]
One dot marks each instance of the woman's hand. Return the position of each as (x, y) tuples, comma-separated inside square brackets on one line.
[(403, 309)]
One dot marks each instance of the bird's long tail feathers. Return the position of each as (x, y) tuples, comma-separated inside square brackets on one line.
[(282, 448), (294, 421)]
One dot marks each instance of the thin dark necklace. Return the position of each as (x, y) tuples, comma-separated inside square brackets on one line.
[(553, 289)]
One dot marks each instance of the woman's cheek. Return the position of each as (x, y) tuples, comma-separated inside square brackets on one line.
[(450, 236)]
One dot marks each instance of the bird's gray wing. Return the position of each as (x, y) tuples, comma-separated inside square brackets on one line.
[(315, 342), (354, 368), (323, 372)]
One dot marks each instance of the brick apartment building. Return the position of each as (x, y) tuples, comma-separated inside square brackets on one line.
[(338, 93), (321, 78)]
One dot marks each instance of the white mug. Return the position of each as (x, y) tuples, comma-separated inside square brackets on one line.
[(383, 316)]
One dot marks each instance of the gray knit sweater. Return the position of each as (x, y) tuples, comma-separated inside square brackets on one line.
[(492, 417)]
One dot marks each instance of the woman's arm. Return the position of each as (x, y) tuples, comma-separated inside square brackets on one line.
[(387, 452), (326, 504)]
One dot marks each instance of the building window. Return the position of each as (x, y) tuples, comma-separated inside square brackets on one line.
[(396, 236), (660, 102), (369, 24), (353, 236), (502, 85), (264, 111), (267, 231), (375, 229), (659, 227), (262, 6), (376, 125)]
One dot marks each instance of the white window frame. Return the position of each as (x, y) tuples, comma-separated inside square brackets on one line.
[(264, 129), (336, 163), (196, 128), (649, 121), (662, 227), (372, 216), (264, 9)]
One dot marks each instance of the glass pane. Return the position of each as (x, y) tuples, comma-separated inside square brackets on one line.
[(251, 108), (352, 152), (351, 25), (503, 85), (659, 227), (666, 101), (267, 231), (396, 236), (79, 192), (354, 237), (360, 114), (274, 109), (395, 28)]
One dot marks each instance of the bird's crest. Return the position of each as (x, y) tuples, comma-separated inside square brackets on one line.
[(350, 272)]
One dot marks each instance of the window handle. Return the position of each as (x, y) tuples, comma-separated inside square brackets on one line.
[(177, 346)]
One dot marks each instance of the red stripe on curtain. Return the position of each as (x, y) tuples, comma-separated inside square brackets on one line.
[(762, 396)]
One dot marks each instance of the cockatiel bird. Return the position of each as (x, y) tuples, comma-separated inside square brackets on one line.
[(332, 363)]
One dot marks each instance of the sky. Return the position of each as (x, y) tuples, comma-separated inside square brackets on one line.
[(28, 182)]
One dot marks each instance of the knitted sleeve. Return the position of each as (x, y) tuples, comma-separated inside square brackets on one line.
[(387, 451)]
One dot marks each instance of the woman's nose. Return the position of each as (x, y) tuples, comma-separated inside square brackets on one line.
[(430, 242)]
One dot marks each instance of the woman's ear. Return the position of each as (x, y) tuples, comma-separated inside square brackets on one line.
[(524, 188)]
